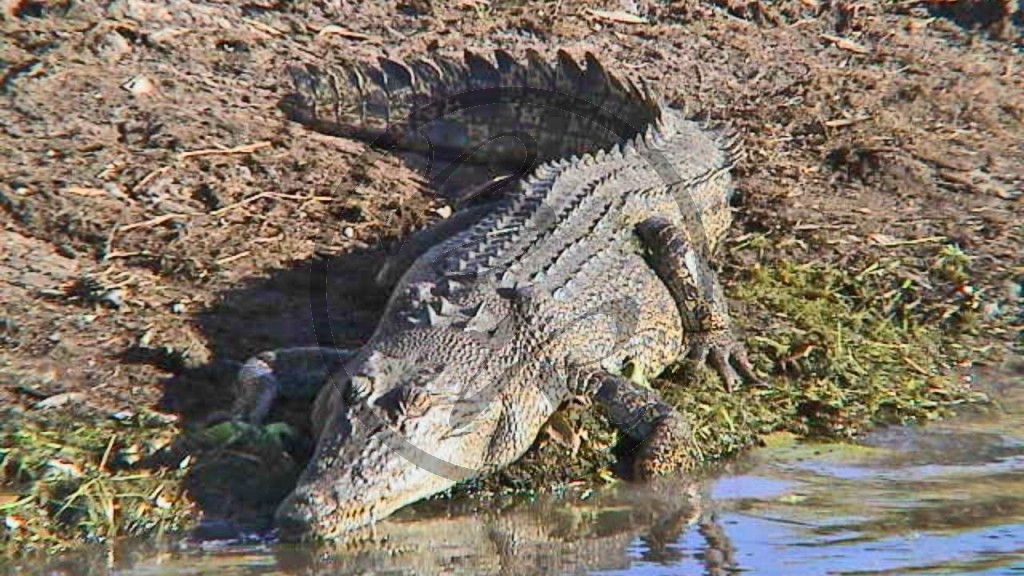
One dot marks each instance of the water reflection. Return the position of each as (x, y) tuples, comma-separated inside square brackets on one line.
[(944, 499), (613, 529)]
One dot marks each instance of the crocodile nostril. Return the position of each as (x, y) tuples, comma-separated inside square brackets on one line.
[(292, 527), (293, 520)]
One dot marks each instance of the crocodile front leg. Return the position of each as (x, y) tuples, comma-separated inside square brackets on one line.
[(638, 412), (297, 373), (699, 298)]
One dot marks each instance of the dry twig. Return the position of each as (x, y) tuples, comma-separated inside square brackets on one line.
[(244, 149), (261, 195), (152, 222), (846, 44)]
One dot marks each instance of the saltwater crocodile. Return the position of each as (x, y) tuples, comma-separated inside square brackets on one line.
[(598, 258)]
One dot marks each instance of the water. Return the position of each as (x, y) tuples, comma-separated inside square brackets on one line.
[(944, 499)]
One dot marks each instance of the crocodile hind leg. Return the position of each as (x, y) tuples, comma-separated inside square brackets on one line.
[(698, 295), (665, 438), (295, 373)]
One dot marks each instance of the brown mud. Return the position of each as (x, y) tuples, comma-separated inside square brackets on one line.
[(162, 221)]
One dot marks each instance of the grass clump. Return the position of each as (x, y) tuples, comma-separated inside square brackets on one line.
[(80, 477), (847, 348), (73, 478)]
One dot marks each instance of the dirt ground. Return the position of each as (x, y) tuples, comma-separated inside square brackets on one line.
[(161, 219)]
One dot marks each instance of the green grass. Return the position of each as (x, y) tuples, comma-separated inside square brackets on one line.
[(846, 351), (842, 348), (72, 478)]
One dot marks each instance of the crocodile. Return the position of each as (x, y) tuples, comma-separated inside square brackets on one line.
[(596, 261)]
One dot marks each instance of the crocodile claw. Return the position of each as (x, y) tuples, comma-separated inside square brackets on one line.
[(727, 357)]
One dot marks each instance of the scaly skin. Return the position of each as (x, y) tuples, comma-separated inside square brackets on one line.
[(503, 313)]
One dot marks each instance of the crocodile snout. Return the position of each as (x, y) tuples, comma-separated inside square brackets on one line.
[(295, 517), (303, 516), (292, 524)]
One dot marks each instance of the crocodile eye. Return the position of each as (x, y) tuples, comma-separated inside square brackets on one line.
[(358, 390), (413, 401)]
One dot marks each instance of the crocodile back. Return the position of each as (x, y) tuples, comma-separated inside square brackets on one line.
[(609, 154)]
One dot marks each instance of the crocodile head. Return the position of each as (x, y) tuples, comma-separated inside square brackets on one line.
[(396, 432)]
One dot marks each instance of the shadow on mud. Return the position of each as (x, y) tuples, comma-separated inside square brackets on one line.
[(998, 17), (239, 473)]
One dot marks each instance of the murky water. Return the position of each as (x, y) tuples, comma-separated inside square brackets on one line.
[(945, 499)]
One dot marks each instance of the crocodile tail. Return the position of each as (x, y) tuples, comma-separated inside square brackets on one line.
[(493, 112)]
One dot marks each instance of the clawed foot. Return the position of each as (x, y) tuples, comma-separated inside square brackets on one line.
[(295, 373), (666, 450), (727, 356)]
